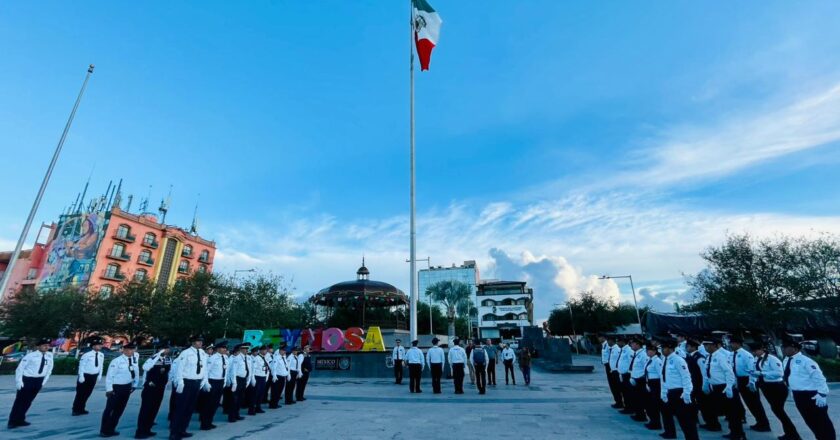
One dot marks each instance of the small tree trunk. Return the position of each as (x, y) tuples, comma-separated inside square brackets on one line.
[(451, 329)]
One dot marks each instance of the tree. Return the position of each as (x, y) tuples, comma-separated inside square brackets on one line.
[(50, 313), (455, 297), (591, 314), (130, 308)]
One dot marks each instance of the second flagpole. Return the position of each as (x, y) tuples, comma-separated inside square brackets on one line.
[(413, 234)]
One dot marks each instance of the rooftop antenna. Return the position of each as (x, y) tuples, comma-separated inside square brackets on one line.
[(117, 198), (194, 226), (144, 203), (128, 204), (164, 206), (84, 193)]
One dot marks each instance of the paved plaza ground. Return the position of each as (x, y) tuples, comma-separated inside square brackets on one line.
[(554, 406)]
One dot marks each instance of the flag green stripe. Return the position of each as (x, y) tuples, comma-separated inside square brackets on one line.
[(422, 5)]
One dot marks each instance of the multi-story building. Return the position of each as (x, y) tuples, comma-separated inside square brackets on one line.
[(504, 308), (100, 246), (466, 273)]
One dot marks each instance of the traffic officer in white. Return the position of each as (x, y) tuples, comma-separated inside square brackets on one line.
[(719, 384), (414, 357), (434, 359), (457, 358), (294, 370), (810, 391), (622, 366), (676, 394), (239, 375), (90, 372), (398, 356), (744, 362), (280, 375), (190, 378), (123, 376), (31, 374), (261, 373), (768, 376), (217, 364), (508, 358), (638, 382), (653, 375)]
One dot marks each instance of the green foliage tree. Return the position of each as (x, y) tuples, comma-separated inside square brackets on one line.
[(455, 297), (48, 313), (591, 314)]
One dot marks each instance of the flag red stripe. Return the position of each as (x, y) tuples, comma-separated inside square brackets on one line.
[(424, 51)]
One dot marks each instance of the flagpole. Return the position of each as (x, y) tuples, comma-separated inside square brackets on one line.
[(28, 224), (413, 234)]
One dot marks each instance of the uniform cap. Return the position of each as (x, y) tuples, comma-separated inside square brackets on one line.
[(44, 341), (130, 345), (242, 345), (736, 339), (456, 341), (210, 347), (264, 347), (196, 338), (223, 344), (791, 343), (96, 340), (399, 340), (435, 341), (668, 342)]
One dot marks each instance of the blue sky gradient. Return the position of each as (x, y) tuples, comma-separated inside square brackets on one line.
[(556, 141)]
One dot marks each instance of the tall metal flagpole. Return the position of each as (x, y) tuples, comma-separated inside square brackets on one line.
[(413, 245), (28, 224)]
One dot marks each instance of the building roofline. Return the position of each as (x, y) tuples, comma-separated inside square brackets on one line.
[(116, 211)]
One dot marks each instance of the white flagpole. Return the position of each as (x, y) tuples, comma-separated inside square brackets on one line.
[(413, 235), (28, 224)]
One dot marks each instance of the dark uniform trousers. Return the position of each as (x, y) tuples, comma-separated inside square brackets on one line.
[(753, 401), (83, 392), (173, 396), (114, 408), (481, 378), (414, 371), (268, 381), (437, 373), (509, 367), (24, 398), (150, 399), (776, 394), (184, 407), (398, 371), (626, 391), (227, 398), (730, 408), (639, 393), (235, 399), (815, 417), (278, 387), (303, 379), (290, 387), (614, 380), (207, 412), (458, 375), (685, 414), (491, 371), (247, 397), (653, 403), (259, 390)]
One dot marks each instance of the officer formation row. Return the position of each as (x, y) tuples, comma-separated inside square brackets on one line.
[(686, 379), (200, 379), (478, 358)]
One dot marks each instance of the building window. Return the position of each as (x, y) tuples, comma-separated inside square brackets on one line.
[(202, 268), (187, 252), (184, 266), (31, 274), (106, 290), (149, 239), (145, 257), (112, 270), (140, 275), (123, 230), (488, 303), (118, 250), (204, 256), (488, 317), (523, 316)]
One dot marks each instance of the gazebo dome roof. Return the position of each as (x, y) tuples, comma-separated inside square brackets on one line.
[(362, 289)]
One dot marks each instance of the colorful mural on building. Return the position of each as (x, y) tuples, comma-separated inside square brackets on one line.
[(72, 255)]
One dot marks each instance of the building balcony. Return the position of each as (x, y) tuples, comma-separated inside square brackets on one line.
[(183, 270), (113, 277), (146, 262), (128, 238), (204, 259), (187, 254), (151, 244), (125, 256)]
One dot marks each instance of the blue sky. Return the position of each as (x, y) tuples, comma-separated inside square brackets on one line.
[(556, 141)]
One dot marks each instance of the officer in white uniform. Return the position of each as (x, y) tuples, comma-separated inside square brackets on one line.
[(261, 373), (217, 364), (90, 372), (653, 375), (294, 370), (415, 360), (190, 378), (613, 377), (719, 385), (676, 394), (434, 359), (398, 356), (31, 374), (810, 391), (239, 375), (744, 362), (638, 382), (122, 377), (622, 367), (768, 376), (508, 358), (280, 374), (457, 358)]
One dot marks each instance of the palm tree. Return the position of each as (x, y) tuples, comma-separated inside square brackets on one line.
[(455, 297)]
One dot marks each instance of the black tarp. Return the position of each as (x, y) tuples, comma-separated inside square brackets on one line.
[(812, 322)]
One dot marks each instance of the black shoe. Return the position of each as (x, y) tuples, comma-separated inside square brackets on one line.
[(185, 435), (291, 403), (252, 413), (273, 406), (109, 434), (260, 411), (302, 398), (206, 428), (639, 418), (712, 428), (669, 436), (653, 427), (760, 428), (617, 405), (627, 411), (145, 435)]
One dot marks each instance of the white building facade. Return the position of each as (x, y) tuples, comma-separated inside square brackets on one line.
[(504, 309)]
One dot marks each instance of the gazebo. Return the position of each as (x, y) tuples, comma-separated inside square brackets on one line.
[(362, 303)]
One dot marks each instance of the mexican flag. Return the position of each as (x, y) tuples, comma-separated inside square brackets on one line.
[(426, 31)]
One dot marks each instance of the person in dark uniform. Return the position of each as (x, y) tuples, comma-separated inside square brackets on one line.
[(696, 362), (123, 375), (157, 370), (810, 391), (90, 372), (31, 374), (398, 356), (305, 370)]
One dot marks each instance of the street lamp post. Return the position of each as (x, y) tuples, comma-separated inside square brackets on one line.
[(230, 305), (428, 261), (571, 323), (633, 288)]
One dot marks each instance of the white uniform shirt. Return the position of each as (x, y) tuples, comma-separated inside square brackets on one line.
[(615, 351), (122, 371), (300, 358), (638, 362), (260, 363), (457, 355), (216, 366), (35, 364), (192, 365), (399, 353), (653, 368), (294, 363), (605, 353), (173, 371), (151, 362), (280, 367), (805, 374), (414, 356), (768, 367), (682, 350), (91, 363), (675, 374), (744, 362), (240, 366), (718, 370), (624, 359), (508, 354), (435, 355)]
